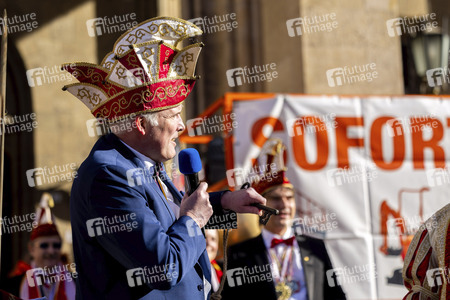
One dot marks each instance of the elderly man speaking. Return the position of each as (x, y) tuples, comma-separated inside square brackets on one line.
[(134, 236)]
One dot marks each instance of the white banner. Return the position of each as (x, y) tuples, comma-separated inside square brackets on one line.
[(367, 172)]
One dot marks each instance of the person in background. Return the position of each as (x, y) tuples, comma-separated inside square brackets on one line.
[(212, 246), (294, 267), (48, 275), (426, 272)]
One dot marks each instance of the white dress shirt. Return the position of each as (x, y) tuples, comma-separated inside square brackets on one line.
[(298, 274)]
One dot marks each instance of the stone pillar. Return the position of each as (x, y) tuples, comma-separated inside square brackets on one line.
[(359, 40), (170, 8)]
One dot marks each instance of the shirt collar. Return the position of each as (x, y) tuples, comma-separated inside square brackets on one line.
[(147, 160), (269, 236)]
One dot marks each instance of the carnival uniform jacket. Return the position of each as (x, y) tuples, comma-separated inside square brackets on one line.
[(127, 241), (315, 262)]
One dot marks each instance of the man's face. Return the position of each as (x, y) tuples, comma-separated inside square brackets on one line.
[(281, 198), (212, 243), (160, 140), (45, 251)]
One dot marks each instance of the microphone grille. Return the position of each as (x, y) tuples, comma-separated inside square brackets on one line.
[(189, 161)]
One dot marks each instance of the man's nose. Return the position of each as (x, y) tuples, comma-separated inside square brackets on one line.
[(284, 202), (52, 250), (181, 126)]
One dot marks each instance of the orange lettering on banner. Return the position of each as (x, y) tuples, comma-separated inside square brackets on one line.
[(419, 144), (343, 142), (376, 145), (258, 136), (298, 143)]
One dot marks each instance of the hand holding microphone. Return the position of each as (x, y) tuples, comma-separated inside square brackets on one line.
[(195, 202)]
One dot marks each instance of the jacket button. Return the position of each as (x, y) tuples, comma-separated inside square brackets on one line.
[(199, 287)]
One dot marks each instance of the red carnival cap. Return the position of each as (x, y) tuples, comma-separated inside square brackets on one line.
[(145, 72), (45, 220), (275, 175)]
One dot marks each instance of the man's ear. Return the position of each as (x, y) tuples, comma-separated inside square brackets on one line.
[(141, 124)]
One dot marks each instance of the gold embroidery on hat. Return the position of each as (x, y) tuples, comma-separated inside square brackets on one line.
[(108, 61), (132, 60), (94, 98), (161, 93), (185, 59), (147, 56)]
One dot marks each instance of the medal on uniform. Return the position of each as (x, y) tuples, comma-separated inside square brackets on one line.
[(283, 286), (283, 291)]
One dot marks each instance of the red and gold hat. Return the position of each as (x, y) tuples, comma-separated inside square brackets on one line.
[(275, 175), (145, 72), (45, 220)]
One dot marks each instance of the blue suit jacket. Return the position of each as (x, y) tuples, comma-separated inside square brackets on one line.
[(127, 242)]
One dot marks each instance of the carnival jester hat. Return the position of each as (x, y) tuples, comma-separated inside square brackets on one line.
[(272, 156), (145, 72), (44, 218)]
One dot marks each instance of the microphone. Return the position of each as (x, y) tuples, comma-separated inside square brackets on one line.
[(190, 165)]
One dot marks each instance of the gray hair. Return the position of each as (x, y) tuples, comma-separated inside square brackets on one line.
[(152, 118), (126, 125)]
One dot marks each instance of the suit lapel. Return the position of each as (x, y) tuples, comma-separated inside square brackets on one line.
[(152, 184), (309, 262), (203, 267), (157, 189)]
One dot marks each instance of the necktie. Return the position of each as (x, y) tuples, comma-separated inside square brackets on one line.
[(157, 176), (289, 242)]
